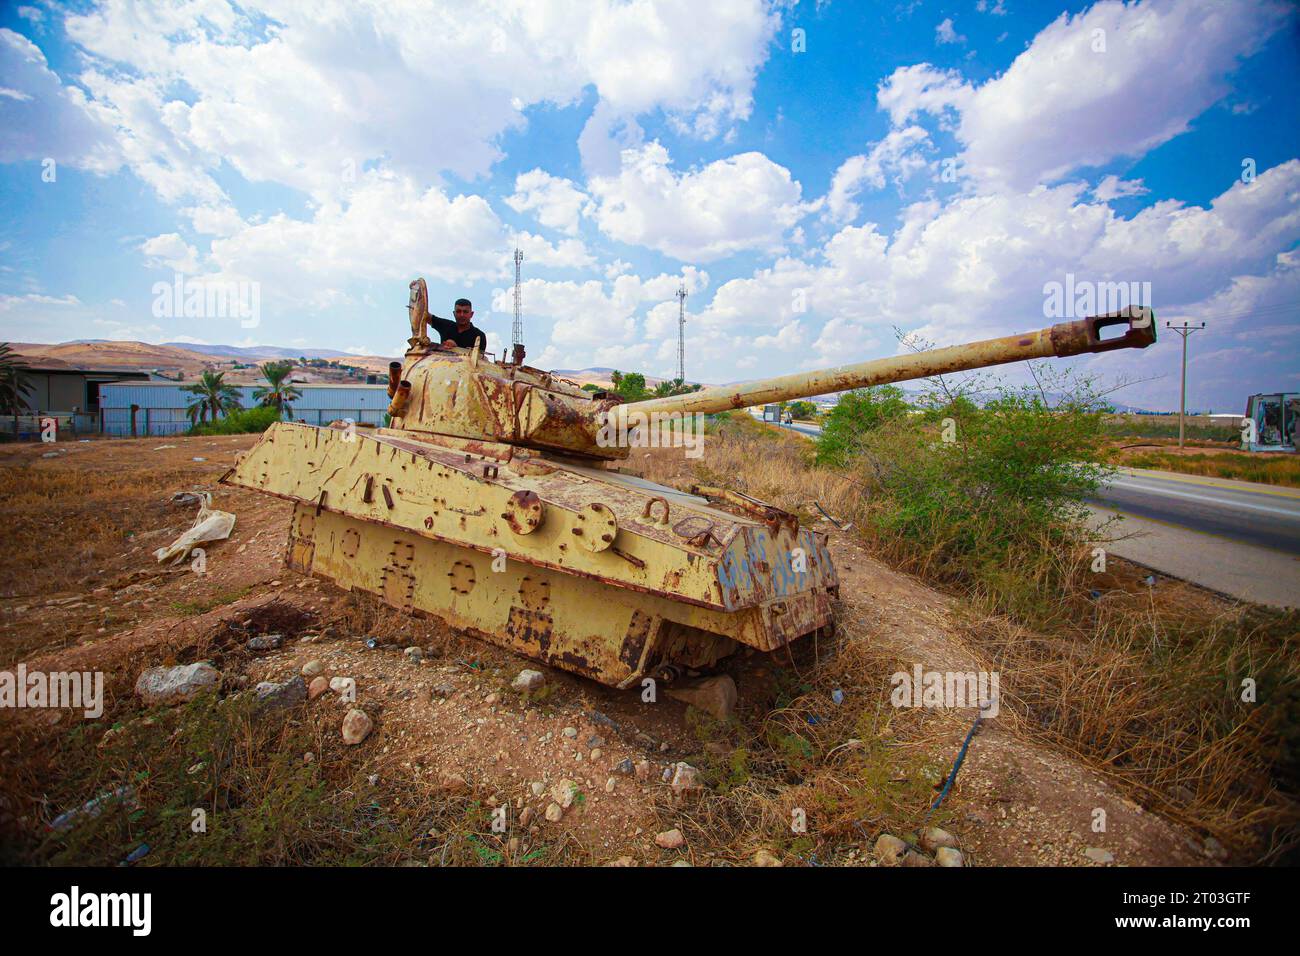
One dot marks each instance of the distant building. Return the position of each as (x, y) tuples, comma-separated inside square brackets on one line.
[(68, 393), (161, 407)]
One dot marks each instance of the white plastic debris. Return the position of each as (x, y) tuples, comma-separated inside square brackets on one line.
[(210, 525)]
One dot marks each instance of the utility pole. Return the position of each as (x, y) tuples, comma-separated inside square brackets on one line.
[(1184, 330), (517, 333), (681, 333)]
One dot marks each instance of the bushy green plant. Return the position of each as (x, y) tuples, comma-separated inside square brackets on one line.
[(993, 495), (240, 422), (858, 413)]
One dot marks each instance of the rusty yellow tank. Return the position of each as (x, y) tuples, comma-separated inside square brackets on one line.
[(489, 502)]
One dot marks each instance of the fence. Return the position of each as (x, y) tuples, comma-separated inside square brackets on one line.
[(161, 409), (28, 427)]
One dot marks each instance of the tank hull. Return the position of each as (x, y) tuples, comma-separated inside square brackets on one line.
[(509, 545)]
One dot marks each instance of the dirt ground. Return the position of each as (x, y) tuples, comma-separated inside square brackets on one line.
[(452, 720)]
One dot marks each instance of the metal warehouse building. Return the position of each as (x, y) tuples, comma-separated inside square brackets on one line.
[(160, 407)]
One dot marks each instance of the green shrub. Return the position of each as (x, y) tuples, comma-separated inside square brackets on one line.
[(977, 493), (858, 413), (240, 422)]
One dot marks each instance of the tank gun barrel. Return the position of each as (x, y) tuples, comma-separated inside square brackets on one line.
[(1063, 339)]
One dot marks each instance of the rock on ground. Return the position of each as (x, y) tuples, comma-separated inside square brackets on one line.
[(291, 692), (890, 849), (564, 793), (670, 839), (685, 779), (356, 726), (713, 695), (528, 680), (169, 685), (932, 838)]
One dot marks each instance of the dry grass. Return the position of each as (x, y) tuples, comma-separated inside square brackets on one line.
[(1142, 685), (856, 769), (266, 805), (62, 519), (1269, 468), (1146, 685)]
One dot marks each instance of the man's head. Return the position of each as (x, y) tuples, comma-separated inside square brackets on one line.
[(464, 311)]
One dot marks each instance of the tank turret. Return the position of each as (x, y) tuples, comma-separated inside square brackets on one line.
[(488, 502), (462, 395)]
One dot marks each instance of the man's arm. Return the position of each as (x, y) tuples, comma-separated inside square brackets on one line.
[(445, 329)]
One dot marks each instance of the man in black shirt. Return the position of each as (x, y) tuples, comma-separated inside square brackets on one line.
[(462, 333)]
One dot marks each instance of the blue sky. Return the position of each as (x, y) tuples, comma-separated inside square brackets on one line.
[(926, 167)]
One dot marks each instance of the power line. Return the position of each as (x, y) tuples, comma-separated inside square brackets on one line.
[(1184, 330)]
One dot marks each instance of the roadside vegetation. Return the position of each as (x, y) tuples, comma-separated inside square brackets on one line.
[(1269, 468), (1165, 427), (1212, 449), (987, 502)]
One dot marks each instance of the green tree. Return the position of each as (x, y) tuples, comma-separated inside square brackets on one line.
[(212, 396), (277, 392), (631, 386), (13, 387), (803, 409), (856, 413)]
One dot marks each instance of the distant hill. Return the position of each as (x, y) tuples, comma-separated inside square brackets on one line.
[(190, 360), (261, 352), (187, 361), (105, 354)]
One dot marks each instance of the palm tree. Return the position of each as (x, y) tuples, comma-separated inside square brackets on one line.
[(674, 387), (13, 387), (213, 395), (277, 392)]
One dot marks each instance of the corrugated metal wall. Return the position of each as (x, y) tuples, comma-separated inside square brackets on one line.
[(163, 406)]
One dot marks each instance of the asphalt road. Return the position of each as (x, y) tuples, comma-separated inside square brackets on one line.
[(1235, 537), (1264, 515)]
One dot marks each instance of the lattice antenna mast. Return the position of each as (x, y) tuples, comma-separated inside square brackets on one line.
[(517, 333), (681, 333)]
